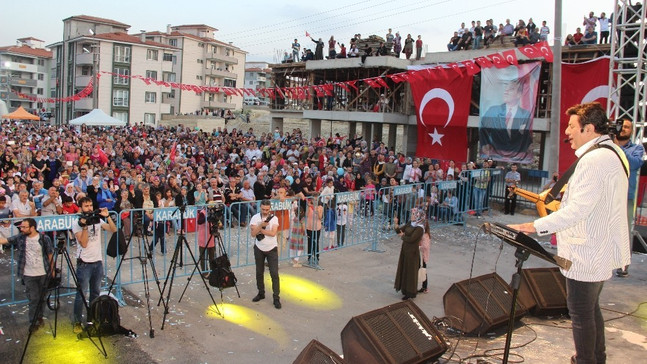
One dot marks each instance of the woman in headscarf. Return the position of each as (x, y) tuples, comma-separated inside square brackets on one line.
[(406, 277)]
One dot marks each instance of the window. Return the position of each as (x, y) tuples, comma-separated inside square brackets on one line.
[(122, 54), (250, 83), (168, 57), (169, 77), (151, 74), (150, 97), (201, 45), (121, 76), (120, 115), (39, 91), (151, 54), (229, 83), (86, 70), (172, 43), (41, 76), (199, 60), (149, 119), (198, 77), (120, 98), (41, 62)]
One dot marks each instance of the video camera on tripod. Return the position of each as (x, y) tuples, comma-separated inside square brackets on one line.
[(216, 214)]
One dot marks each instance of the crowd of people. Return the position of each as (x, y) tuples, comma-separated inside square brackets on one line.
[(391, 45), (590, 35), (523, 33)]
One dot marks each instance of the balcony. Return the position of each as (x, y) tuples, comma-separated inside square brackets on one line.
[(84, 58), (220, 73), (83, 104), (167, 99), (167, 66), (17, 81), (82, 81), (261, 79), (15, 66), (14, 97), (220, 57), (217, 105)]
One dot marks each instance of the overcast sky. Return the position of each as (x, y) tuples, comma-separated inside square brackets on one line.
[(266, 28)]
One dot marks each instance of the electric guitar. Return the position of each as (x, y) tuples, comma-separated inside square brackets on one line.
[(539, 200)]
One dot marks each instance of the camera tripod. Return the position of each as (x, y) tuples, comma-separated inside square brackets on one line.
[(61, 250), (176, 261), (214, 235), (145, 255)]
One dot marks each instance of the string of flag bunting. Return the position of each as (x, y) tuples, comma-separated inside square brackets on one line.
[(471, 67)]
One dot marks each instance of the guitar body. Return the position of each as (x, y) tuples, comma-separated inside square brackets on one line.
[(539, 200)]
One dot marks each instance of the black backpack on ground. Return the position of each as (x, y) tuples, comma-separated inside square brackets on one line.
[(104, 315)]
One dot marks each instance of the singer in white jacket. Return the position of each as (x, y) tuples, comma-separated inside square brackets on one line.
[(591, 226)]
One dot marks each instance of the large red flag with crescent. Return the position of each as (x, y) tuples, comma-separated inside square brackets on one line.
[(442, 108), (581, 83)]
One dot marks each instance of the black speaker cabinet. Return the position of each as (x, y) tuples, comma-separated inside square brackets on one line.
[(398, 333), (317, 353), (480, 305), (543, 291)]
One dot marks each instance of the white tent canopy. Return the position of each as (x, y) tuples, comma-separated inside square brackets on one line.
[(97, 117)]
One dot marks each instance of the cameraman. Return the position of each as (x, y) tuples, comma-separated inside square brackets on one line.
[(89, 267), (264, 227), (634, 153), (35, 253)]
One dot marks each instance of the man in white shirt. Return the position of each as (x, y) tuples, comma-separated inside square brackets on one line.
[(35, 252), (89, 265), (591, 226), (263, 227)]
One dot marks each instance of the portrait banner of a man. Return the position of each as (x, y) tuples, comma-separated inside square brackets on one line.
[(506, 112)]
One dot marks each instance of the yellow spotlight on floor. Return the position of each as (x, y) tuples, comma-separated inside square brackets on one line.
[(305, 292), (66, 348), (250, 319)]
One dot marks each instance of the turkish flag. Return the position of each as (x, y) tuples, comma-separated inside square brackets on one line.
[(545, 51), (442, 108), (498, 60), (511, 57), (581, 83)]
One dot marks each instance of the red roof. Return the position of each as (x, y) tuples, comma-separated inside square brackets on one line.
[(31, 38), (127, 38), (28, 51), (94, 19), (258, 69), (194, 26)]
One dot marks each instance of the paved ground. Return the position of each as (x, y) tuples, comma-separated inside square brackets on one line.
[(317, 304)]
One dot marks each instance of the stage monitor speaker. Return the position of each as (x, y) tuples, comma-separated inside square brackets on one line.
[(398, 333), (543, 291), (318, 353), (480, 305)]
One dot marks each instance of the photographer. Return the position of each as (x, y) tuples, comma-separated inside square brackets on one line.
[(35, 261), (264, 227), (89, 267)]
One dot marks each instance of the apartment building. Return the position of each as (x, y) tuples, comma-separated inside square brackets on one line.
[(203, 61), (92, 43), (24, 68), (257, 76)]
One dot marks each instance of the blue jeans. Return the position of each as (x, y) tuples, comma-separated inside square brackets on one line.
[(479, 196), (35, 288), (583, 301), (273, 262), (87, 274)]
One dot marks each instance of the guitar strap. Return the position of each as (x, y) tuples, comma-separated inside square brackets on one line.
[(557, 188)]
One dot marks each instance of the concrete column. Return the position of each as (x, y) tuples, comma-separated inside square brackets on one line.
[(276, 123), (377, 131), (409, 139), (352, 129), (315, 128), (393, 132), (367, 132)]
